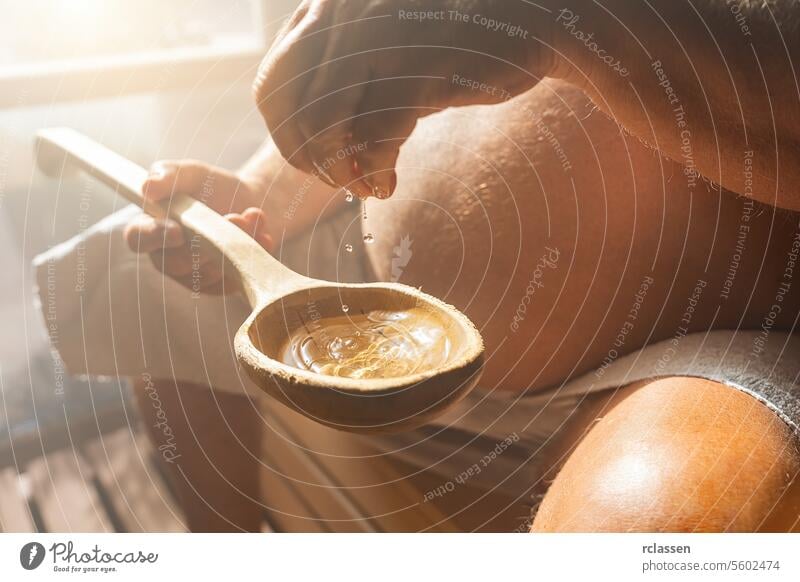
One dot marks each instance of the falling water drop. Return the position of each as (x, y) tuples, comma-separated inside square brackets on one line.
[(348, 196), (348, 247), (369, 238), (345, 308)]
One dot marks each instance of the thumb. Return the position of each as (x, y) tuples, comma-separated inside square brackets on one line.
[(383, 132)]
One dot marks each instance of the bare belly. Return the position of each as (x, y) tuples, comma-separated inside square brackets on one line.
[(570, 244)]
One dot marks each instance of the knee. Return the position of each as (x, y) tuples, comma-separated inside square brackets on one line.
[(679, 454)]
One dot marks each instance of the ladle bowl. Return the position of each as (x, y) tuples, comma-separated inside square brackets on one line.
[(278, 297)]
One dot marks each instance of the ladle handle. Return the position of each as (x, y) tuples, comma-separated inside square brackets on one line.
[(263, 277)]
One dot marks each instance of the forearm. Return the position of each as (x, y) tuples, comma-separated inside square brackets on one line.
[(292, 200), (707, 83)]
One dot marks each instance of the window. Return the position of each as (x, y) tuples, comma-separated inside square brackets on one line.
[(59, 50)]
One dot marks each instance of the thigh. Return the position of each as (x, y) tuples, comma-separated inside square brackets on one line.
[(679, 454)]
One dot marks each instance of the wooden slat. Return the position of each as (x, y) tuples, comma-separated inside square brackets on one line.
[(395, 499), (14, 513), (415, 515), (372, 486), (76, 421), (123, 465), (373, 483), (285, 507), (61, 484), (300, 471), (325, 500), (469, 508)]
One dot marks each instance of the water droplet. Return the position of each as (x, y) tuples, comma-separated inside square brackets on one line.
[(379, 193), (369, 238), (348, 196), (345, 308), (348, 247)]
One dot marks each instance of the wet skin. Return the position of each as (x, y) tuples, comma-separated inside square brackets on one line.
[(485, 194)]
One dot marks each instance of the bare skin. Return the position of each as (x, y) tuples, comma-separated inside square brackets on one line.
[(491, 196), (631, 215), (679, 454), (628, 218), (256, 199), (449, 195), (353, 72)]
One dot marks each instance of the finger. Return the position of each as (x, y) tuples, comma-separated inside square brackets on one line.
[(284, 75), (208, 282), (257, 221), (337, 164), (252, 221), (205, 285), (332, 105), (182, 261), (145, 234), (156, 185), (213, 186), (383, 131), (327, 126)]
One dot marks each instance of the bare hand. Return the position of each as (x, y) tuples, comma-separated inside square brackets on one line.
[(345, 82), (165, 241)]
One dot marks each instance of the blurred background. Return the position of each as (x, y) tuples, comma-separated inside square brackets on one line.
[(150, 79)]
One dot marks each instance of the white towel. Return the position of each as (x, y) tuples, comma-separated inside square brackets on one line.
[(110, 312)]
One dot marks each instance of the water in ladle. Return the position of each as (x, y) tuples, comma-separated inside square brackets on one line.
[(375, 344)]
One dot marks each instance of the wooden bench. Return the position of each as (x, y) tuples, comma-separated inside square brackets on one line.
[(97, 471), (318, 479)]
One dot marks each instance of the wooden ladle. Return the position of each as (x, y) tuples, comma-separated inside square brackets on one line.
[(277, 294)]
